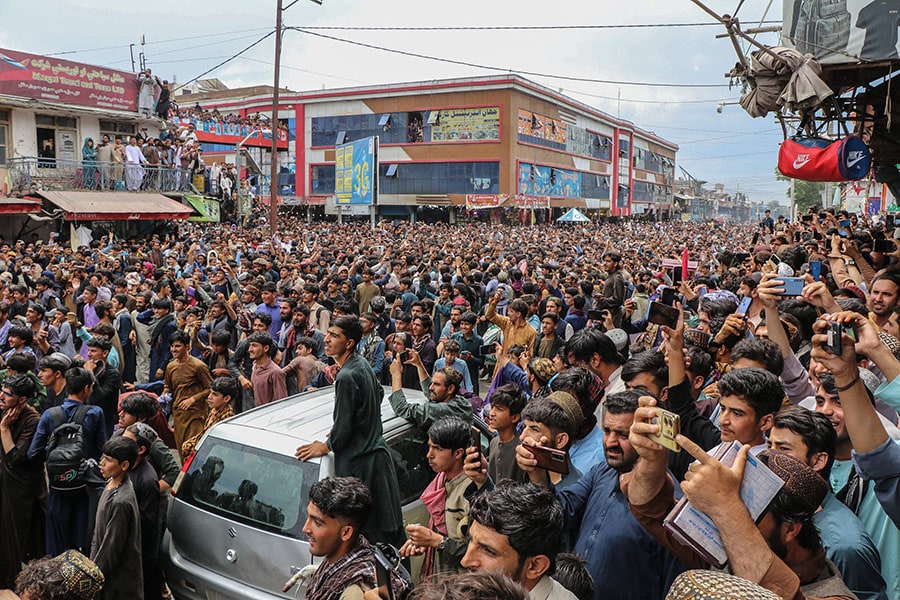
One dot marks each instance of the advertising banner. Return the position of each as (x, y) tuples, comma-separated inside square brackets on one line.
[(44, 78), (541, 129), (356, 172), (842, 31), (484, 200), (464, 124)]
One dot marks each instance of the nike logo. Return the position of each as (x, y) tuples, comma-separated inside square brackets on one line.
[(801, 160), (852, 160)]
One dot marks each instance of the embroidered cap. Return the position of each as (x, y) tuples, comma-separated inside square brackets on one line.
[(82, 579), (716, 585)]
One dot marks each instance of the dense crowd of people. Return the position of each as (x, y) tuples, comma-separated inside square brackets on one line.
[(775, 343)]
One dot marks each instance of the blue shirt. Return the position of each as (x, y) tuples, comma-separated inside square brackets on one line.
[(876, 522), (458, 365), (882, 465), (93, 426), (274, 312), (588, 451), (851, 549), (620, 554)]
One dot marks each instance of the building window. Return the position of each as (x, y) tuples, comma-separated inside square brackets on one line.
[(422, 178), (114, 128), (4, 136), (389, 127)]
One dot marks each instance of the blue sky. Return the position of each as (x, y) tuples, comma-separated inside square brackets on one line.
[(184, 39)]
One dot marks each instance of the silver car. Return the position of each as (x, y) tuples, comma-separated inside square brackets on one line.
[(239, 505)]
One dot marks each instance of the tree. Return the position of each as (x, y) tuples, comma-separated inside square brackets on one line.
[(806, 193)]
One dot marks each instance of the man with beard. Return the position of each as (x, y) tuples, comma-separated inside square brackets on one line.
[(619, 552), (187, 379), (442, 390), (140, 338), (884, 296), (782, 551), (357, 435)]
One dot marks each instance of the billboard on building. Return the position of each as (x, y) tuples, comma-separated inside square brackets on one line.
[(46, 78), (356, 171), (464, 124), (842, 31), (541, 130)]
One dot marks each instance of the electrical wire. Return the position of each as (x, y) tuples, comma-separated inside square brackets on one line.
[(181, 50), (632, 101), (680, 158), (514, 71), (283, 66), (516, 27), (224, 62), (181, 39)]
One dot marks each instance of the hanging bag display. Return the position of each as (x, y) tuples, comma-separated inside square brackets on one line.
[(817, 159)]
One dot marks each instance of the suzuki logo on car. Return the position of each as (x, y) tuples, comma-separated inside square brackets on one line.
[(801, 160), (232, 532)]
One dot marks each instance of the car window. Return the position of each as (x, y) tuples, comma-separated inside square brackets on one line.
[(408, 449), (249, 485)]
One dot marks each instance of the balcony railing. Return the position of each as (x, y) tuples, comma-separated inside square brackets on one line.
[(36, 174)]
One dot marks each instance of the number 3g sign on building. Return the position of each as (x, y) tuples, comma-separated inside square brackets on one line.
[(356, 172)]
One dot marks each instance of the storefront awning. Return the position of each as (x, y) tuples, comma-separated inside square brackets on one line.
[(116, 206), (19, 206)]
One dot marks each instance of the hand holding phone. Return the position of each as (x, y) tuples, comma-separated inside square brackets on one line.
[(669, 427), (661, 314), (488, 349), (551, 459), (475, 438)]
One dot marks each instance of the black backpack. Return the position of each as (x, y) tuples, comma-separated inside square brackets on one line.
[(67, 461)]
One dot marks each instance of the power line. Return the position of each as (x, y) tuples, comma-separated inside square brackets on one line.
[(518, 27), (224, 62), (726, 156), (490, 68), (283, 66), (182, 49), (180, 39)]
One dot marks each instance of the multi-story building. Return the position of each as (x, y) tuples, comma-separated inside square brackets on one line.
[(478, 144), (49, 108), (447, 149)]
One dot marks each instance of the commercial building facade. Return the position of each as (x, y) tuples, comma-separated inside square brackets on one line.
[(467, 144)]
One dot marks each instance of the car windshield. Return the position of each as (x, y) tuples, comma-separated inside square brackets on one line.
[(252, 486)]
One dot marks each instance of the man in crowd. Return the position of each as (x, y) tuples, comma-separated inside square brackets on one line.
[(442, 390), (69, 518), (515, 529), (267, 378), (339, 509), (187, 379), (356, 436), (597, 512), (22, 481)]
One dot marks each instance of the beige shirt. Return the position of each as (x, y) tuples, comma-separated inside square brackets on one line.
[(550, 589)]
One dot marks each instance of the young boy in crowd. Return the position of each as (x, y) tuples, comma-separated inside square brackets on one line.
[(116, 547), (507, 403), (223, 393), (444, 541), (556, 418)]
